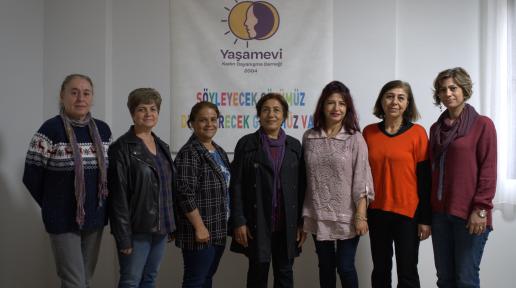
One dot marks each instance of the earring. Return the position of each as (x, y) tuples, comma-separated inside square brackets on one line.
[(441, 107)]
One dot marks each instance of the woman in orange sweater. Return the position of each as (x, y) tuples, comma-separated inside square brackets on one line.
[(400, 212)]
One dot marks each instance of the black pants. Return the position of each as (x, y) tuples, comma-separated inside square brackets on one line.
[(384, 229), (258, 272)]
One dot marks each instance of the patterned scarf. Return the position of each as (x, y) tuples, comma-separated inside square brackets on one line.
[(445, 133), (267, 143), (80, 190)]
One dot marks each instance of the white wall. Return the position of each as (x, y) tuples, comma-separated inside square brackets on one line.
[(23, 245), (125, 44)]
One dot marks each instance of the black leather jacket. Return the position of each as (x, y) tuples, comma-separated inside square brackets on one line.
[(134, 188)]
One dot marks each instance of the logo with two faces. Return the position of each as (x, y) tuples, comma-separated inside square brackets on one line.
[(250, 20)]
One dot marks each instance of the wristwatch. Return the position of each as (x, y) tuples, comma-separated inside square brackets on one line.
[(482, 213)]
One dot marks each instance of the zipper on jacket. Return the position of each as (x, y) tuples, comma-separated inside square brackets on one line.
[(159, 189), (159, 205)]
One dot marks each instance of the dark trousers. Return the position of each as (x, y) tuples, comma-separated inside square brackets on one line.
[(200, 266), (337, 255), (384, 229), (258, 272)]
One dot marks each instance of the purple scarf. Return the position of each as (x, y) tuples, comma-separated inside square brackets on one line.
[(80, 190), (279, 143), (446, 132)]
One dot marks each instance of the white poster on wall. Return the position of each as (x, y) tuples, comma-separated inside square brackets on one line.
[(232, 52)]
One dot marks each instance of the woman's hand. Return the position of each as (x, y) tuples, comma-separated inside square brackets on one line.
[(202, 235), (423, 231), (361, 227), (127, 251), (301, 237), (241, 234), (476, 225)]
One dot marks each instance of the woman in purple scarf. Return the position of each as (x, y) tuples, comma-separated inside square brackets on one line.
[(463, 156), (267, 188)]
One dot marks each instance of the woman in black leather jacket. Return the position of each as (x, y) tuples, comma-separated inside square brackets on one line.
[(140, 179)]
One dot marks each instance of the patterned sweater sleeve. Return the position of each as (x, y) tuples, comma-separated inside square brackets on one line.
[(40, 150)]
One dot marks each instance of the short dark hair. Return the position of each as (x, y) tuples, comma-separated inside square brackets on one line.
[(270, 96), (143, 96), (411, 113), (459, 76), (350, 121), (198, 107)]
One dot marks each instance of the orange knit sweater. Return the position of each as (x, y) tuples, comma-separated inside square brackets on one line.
[(393, 161)]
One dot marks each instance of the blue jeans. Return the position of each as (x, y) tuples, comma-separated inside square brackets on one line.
[(140, 268), (457, 253), (340, 255), (200, 266)]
